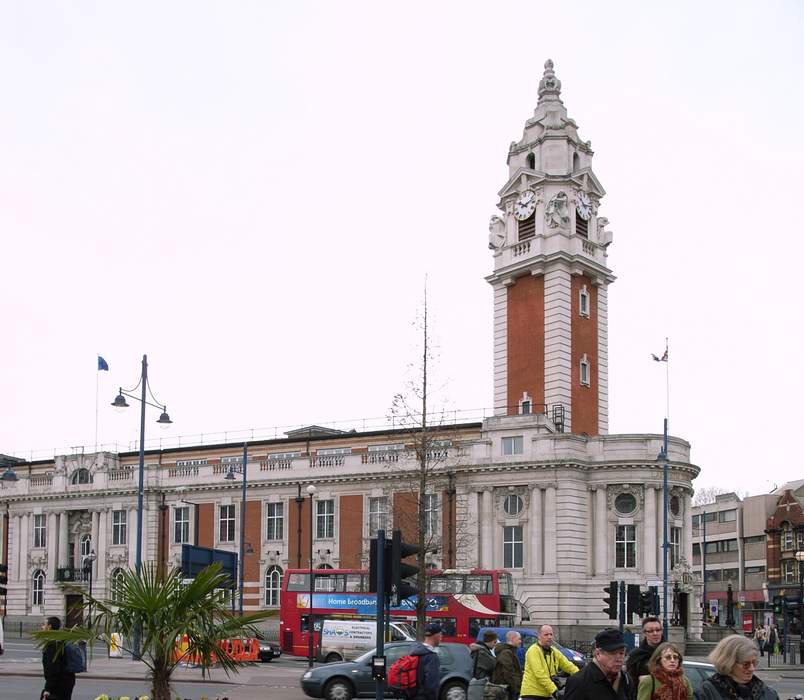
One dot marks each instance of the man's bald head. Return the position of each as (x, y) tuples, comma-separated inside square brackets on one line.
[(546, 635)]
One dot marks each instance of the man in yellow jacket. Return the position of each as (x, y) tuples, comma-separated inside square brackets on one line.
[(542, 663)]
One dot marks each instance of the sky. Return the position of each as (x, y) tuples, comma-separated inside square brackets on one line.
[(254, 194)]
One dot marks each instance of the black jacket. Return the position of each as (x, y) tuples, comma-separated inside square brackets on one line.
[(590, 684), (508, 670), (637, 662), (483, 661), (59, 681)]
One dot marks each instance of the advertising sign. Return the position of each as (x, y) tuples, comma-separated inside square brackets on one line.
[(363, 604)]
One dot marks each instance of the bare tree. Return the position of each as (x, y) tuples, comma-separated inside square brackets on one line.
[(430, 441), (708, 494)]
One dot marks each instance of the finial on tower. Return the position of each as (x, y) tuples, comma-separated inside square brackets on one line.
[(549, 86)]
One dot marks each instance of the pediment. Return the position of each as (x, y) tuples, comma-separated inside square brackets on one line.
[(521, 180), (588, 180)]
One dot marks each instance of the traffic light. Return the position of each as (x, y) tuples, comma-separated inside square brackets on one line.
[(632, 601), (777, 604), (373, 566), (3, 580), (611, 600), (399, 569), (649, 601)]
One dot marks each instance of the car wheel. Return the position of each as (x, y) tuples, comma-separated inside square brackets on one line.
[(332, 657), (338, 689), (454, 690)]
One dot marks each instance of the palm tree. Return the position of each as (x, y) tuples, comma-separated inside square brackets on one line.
[(163, 608)]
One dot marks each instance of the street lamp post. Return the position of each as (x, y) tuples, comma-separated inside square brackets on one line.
[(663, 456), (164, 421), (800, 560), (299, 501), (310, 626), (230, 475)]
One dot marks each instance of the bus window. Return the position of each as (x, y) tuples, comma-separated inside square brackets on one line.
[(506, 586), (479, 584), (298, 582), (454, 584), (328, 582), (476, 623), (354, 583), (438, 584), (449, 625)]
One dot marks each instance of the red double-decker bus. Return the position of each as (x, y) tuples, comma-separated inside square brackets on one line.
[(463, 601)]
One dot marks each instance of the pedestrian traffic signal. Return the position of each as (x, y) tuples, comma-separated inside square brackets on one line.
[(399, 569), (611, 600), (777, 604), (649, 602), (3, 580)]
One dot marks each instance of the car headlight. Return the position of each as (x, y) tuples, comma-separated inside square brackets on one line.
[(307, 675)]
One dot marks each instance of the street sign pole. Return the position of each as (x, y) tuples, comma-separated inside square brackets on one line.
[(622, 605), (380, 607)]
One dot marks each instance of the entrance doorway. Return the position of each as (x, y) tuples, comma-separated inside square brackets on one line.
[(75, 613)]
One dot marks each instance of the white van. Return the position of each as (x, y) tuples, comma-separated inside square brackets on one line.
[(344, 640)]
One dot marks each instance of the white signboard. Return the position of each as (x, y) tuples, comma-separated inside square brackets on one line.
[(713, 607)]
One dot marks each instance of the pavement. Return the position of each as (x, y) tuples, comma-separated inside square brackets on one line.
[(128, 669)]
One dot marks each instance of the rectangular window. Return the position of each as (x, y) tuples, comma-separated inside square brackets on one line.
[(721, 546), (755, 539), (513, 445), (675, 546), (696, 521), (731, 574), (378, 511), (431, 512), (226, 524), (512, 547), (119, 526), (626, 547), (696, 550), (754, 570), (181, 524), (325, 520), (788, 571), (584, 371), (39, 531), (274, 521), (787, 538), (727, 516), (583, 302), (430, 506), (714, 575)]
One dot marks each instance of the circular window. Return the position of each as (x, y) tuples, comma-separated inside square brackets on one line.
[(512, 505), (625, 503), (675, 505)]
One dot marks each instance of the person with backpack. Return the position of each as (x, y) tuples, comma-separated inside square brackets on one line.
[(482, 653), (59, 680), (428, 670)]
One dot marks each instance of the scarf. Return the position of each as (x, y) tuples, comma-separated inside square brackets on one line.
[(729, 688), (673, 685)]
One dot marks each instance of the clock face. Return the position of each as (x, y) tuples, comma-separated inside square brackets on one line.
[(583, 206), (525, 205)]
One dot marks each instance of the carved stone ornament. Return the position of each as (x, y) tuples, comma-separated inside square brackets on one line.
[(556, 214), (118, 558), (618, 489), (496, 233)]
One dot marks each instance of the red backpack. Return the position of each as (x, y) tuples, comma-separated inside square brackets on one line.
[(403, 676)]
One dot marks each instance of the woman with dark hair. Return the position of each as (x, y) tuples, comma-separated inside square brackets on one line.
[(665, 679), (735, 658), (59, 682)]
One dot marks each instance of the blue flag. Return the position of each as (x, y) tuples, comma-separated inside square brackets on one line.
[(102, 364)]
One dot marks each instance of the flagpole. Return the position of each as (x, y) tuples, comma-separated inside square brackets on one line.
[(667, 378), (97, 372)]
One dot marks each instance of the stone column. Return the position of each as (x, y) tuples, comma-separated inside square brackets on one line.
[(15, 555), (23, 549), (649, 536), (102, 546), (550, 539), (601, 532), (52, 545), (131, 536), (64, 519), (487, 529), (94, 543), (536, 562), (687, 532)]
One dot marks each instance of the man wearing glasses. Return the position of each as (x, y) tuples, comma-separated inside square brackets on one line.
[(604, 678), (637, 664)]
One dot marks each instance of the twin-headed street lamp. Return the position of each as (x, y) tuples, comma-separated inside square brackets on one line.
[(164, 421), (230, 476), (310, 625)]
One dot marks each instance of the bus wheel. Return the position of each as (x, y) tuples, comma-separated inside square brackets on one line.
[(454, 691), (332, 656), (338, 689)]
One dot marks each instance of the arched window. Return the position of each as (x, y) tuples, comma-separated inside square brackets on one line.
[(38, 590), (81, 476), (85, 547), (273, 584), (532, 161), (576, 162), (116, 584), (324, 566)]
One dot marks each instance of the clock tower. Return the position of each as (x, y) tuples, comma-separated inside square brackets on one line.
[(550, 276)]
